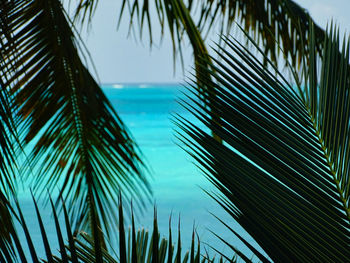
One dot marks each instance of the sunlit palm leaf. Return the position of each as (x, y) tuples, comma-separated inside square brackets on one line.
[(268, 20), (81, 144), (282, 170), (274, 22)]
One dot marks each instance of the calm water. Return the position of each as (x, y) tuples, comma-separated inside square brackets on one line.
[(176, 181)]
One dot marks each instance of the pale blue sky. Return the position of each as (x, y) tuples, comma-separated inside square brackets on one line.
[(119, 59)]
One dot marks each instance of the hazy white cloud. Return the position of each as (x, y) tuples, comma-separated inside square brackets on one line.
[(323, 11)]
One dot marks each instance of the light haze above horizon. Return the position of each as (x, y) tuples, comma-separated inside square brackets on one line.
[(122, 59)]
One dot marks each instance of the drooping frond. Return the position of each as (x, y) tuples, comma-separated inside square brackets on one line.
[(327, 98), (7, 152), (7, 129), (7, 142), (81, 145), (282, 169), (275, 23)]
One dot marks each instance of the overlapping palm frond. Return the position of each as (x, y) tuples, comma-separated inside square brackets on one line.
[(276, 23), (7, 151), (144, 246), (283, 169), (7, 142), (7, 127), (137, 246), (8, 235), (81, 145), (7, 161), (268, 20)]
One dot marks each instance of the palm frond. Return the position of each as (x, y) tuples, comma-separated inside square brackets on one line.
[(327, 99), (138, 246), (81, 145), (8, 142), (67, 253), (8, 134), (282, 170), (275, 23), (9, 242), (143, 246)]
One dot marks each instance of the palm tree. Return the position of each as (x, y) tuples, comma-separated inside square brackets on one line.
[(57, 104), (282, 171)]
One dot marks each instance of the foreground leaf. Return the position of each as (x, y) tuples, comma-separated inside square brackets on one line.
[(81, 145), (282, 170)]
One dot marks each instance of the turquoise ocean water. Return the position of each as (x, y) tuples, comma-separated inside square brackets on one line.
[(176, 181)]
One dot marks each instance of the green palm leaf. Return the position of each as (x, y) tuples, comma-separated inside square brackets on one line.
[(80, 142), (282, 170), (276, 23), (143, 246), (273, 22), (8, 143), (139, 246), (267, 20)]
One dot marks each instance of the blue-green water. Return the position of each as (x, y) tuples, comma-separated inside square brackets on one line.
[(146, 110)]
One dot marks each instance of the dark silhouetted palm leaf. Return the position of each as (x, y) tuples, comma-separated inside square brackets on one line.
[(7, 145), (283, 168), (8, 142), (81, 145), (140, 246), (7, 187), (275, 22), (268, 20)]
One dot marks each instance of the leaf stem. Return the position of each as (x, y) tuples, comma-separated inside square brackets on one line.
[(329, 163)]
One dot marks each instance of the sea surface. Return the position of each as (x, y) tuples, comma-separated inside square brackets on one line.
[(177, 184)]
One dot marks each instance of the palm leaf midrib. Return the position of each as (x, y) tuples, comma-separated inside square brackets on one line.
[(324, 100), (316, 132), (79, 122), (332, 171), (277, 168), (78, 135)]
